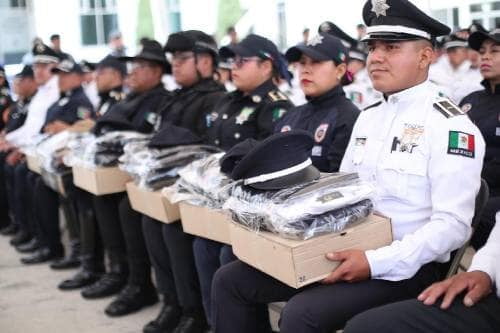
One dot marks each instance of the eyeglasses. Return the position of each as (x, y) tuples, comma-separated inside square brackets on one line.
[(138, 65), (239, 62)]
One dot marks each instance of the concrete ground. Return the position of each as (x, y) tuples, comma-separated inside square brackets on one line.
[(31, 302)]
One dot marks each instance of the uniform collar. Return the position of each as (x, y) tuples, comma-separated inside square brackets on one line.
[(409, 94), (259, 93), (487, 86), (330, 95), (108, 94)]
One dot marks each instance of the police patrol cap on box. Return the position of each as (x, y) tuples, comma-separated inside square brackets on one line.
[(453, 41), (280, 161), (230, 159), (192, 40), (151, 51), (112, 62), (252, 46), (399, 20), (171, 135), (321, 47), (477, 38), (67, 66), (44, 54), (328, 27)]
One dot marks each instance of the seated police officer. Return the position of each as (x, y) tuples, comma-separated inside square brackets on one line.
[(482, 108), (249, 112), (328, 114), (425, 158), (194, 56), (109, 76), (139, 111), (73, 105)]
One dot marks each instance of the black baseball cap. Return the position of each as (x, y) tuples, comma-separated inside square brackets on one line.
[(192, 40), (322, 47), (477, 38), (27, 71), (252, 46), (67, 66), (112, 62), (151, 51)]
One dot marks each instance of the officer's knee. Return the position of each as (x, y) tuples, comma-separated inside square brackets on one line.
[(296, 317)]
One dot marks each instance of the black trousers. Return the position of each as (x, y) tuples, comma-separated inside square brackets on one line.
[(4, 201), (47, 213), (160, 259), (137, 253), (172, 257), (412, 316), (239, 289), (486, 223)]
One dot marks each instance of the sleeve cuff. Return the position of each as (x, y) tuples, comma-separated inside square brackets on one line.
[(483, 264), (377, 265)]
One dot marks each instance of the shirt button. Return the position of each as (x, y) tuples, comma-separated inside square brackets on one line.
[(224, 116), (237, 135), (217, 142)]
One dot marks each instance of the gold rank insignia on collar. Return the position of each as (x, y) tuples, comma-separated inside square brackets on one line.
[(448, 108), (117, 95), (277, 95)]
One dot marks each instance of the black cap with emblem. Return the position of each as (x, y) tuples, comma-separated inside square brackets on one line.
[(280, 161), (453, 41), (252, 46), (87, 67), (151, 51), (44, 54), (67, 66), (192, 40), (399, 20), (27, 71), (322, 47), (112, 62), (328, 27), (477, 38)]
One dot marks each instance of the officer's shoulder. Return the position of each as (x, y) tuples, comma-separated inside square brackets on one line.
[(372, 106), (444, 109), (275, 96)]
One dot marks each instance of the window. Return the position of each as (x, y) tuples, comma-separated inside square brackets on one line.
[(495, 5), (488, 14), (449, 16), (98, 19), (175, 15), (476, 8), (495, 23)]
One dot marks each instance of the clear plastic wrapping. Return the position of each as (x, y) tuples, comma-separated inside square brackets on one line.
[(154, 169), (51, 152), (201, 183), (301, 212)]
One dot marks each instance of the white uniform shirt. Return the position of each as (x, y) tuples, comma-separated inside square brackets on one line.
[(424, 181), (487, 258), (45, 96), (361, 91)]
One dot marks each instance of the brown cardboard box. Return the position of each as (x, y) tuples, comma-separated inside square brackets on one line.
[(153, 204), (99, 180), (298, 263), (34, 163), (205, 222)]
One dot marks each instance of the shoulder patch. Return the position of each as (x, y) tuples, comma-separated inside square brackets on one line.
[(278, 113), (373, 105), (447, 108), (276, 95), (460, 143)]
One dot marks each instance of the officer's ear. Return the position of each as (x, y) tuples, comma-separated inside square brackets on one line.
[(267, 65), (425, 53), (340, 70)]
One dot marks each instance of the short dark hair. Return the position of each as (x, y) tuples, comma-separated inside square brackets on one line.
[(55, 36), (230, 30), (360, 26)]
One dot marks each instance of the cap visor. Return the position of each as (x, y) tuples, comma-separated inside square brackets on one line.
[(234, 50), (391, 37), (477, 38), (294, 53), (301, 177)]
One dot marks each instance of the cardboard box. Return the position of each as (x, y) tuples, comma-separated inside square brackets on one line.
[(34, 163), (57, 182), (99, 180), (205, 222), (153, 204), (298, 263)]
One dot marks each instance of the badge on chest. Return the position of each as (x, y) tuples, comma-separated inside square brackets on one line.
[(409, 139), (320, 133), (244, 115)]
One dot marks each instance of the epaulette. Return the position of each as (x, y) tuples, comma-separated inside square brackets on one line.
[(117, 95), (373, 105), (447, 108), (276, 96)]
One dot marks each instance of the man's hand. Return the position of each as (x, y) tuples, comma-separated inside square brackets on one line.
[(477, 284), (56, 127), (14, 157), (353, 267)]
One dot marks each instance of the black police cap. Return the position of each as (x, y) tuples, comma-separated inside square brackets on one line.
[(330, 28), (27, 71), (230, 159), (87, 66), (67, 66), (280, 161), (192, 40), (477, 38), (399, 20), (321, 47), (454, 40), (171, 135), (44, 54), (252, 46), (112, 62), (151, 51)]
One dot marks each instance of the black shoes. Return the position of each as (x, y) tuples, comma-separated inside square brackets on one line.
[(41, 255), (192, 324), (166, 321), (11, 229), (20, 237), (132, 298), (29, 247), (81, 279), (109, 284), (72, 261)]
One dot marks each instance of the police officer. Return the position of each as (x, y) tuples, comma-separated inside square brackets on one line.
[(425, 159), (194, 56), (5, 99), (328, 114), (249, 112), (110, 73), (463, 303), (73, 105), (482, 108), (139, 111)]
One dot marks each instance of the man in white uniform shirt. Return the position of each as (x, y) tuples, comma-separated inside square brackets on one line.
[(425, 159)]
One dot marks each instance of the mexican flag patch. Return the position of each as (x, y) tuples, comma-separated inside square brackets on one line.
[(461, 143)]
